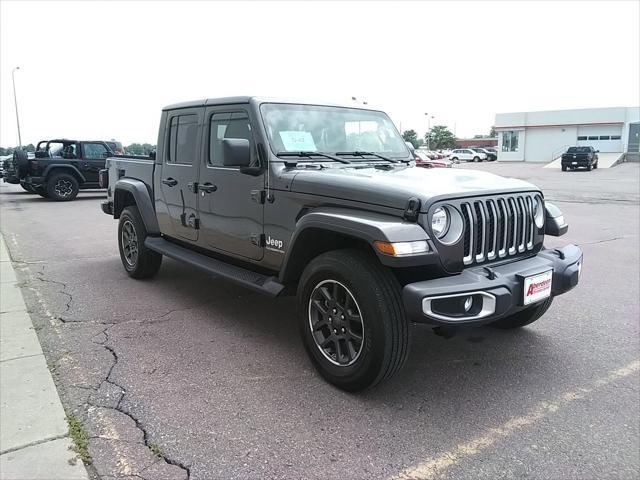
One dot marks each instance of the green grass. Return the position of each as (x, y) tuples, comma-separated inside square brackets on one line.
[(156, 450), (79, 437)]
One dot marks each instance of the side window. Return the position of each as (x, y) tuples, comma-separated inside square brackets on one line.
[(227, 125), (183, 134), (95, 151)]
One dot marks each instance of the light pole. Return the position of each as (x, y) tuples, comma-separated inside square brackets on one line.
[(15, 100), (429, 117)]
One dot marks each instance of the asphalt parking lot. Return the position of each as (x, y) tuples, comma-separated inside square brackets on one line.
[(188, 376)]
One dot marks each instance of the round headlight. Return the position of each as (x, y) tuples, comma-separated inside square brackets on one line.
[(440, 222), (538, 212)]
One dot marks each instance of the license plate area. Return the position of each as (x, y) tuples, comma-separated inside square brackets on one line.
[(537, 287), (574, 163)]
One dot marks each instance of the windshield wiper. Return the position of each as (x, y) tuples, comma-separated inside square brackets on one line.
[(362, 154), (312, 154)]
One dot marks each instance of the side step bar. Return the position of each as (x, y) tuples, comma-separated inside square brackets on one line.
[(255, 281)]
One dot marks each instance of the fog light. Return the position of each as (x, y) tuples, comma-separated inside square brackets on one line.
[(468, 303)]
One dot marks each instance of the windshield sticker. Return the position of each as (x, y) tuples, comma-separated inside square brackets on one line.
[(298, 141)]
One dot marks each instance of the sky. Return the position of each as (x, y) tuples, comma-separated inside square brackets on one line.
[(104, 70)]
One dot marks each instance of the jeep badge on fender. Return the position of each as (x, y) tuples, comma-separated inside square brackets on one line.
[(373, 243)]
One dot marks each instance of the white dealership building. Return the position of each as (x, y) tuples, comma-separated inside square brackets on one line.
[(544, 136)]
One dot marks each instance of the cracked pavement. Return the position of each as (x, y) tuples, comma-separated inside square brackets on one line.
[(186, 376)]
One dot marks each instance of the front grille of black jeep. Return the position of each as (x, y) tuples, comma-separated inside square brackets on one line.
[(497, 227)]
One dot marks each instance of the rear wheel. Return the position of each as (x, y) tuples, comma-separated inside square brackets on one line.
[(455, 160), (62, 187), (137, 259), (564, 168), (524, 317), (476, 159), (352, 320)]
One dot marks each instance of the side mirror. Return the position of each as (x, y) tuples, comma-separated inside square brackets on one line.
[(597, 151), (152, 154), (236, 152)]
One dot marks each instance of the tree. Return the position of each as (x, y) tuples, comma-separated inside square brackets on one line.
[(492, 133), (440, 137), (412, 137)]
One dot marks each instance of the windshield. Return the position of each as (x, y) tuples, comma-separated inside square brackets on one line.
[(579, 150), (313, 128)]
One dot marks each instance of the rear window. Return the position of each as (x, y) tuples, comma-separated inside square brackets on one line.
[(579, 150)]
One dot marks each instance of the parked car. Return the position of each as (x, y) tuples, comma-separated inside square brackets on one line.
[(9, 173), (579, 157), (491, 156), (422, 160), (61, 167), (467, 155), (275, 197)]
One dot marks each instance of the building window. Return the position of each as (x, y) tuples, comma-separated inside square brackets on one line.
[(615, 137), (593, 137), (604, 137), (510, 141), (582, 138)]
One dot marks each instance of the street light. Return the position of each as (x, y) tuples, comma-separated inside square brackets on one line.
[(429, 117), (15, 100)]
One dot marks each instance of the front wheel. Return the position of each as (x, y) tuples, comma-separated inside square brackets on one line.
[(455, 160), (476, 159), (352, 320), (564, 168), (524, 317), (137, 259)]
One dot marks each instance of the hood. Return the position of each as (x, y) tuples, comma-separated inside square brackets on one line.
[(393, 187)]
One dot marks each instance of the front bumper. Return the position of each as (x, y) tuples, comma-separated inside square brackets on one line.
[(501, 287), (107, 207)]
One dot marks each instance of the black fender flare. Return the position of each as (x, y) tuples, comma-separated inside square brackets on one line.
[(63, 166), (142, 199), (361, 225)]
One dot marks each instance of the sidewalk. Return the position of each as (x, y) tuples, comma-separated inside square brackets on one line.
[(34, 441)]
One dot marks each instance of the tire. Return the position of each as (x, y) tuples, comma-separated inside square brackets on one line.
[(143, 263), (376, 296), (588, 167), (524, 317), (42, 191), (62, 187), (595, 165), (455, 160), (476, 159), (564, 168), (21, 162)]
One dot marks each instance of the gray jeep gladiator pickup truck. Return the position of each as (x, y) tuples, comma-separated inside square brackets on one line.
[(325, 202)]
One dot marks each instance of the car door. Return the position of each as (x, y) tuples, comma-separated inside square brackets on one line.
[(230, 203), (178, 174), (94, 155)]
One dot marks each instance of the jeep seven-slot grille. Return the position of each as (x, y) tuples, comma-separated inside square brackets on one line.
[(497, 228)]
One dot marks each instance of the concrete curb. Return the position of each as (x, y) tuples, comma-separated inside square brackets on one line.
[(34, 442)]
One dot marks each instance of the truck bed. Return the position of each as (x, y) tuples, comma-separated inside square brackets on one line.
[(132, 166)]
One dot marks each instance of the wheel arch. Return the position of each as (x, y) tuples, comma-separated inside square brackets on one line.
[(326, 229), (131, 192), (63, 168)]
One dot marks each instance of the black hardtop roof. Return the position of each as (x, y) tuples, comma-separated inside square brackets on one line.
[(254, 99)]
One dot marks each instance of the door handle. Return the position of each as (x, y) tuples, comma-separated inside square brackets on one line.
[(207, 187), (170, 182)]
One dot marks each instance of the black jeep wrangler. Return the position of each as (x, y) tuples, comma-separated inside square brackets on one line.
[(61, 167)]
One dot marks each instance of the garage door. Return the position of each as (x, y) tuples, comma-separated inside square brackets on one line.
[(606, 138)]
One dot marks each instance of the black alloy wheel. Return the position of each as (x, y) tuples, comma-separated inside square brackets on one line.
[(336, 322), (129, 243)]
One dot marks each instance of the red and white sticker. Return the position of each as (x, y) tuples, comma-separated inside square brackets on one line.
[(537, 287)]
